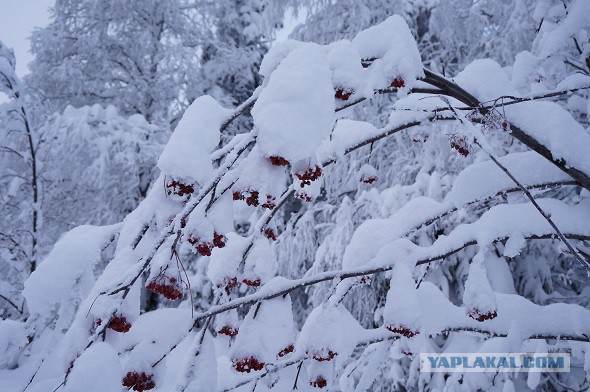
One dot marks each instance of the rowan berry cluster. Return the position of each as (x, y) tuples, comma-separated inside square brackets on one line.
[(139, 381), (321, 357), (402, 330), (398, 83), (289, 349), (343, 93), (460, 145), (248, 364), (278, 161), (480, 316), (119, 324), (228, 330), (252, 199), (252, 282), (168, 287), (319, 382), (309, 175), (270, 234), (179, 188)]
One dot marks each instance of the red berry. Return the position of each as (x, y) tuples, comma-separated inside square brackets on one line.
[(318, 356), (289, 349), (139, 382), (219, 240), (252, 283), (477, 315), (278, 161), (368, 180), (247, 364), (319, 382), (228, 283), (343, 94), (119, 324), (179, 188), (270, 234), (228, 330), (397, 83), (204, 248), (310, 174), (402, 330)]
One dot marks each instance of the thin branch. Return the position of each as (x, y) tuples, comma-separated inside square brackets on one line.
[(266, 294)]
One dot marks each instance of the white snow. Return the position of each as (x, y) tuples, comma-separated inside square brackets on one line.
[(186, 156), (295, 110)]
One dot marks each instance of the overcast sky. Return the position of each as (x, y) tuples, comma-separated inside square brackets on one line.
[(18, 18)]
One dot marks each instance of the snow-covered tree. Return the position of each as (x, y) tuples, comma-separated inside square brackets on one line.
[(87, 165), (136, 55), (21, 187), (441, 248)]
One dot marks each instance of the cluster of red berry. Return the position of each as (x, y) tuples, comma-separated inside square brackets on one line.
[(343, 93), (319, 382), (368, 179), (322, 358), (228, 330), (252, 199), (219, 240), (246, 365), (303, 196), (309, 175), (278, 161), (179, 188), (119, 324), (460, 145), (398, 83), (270, 234), (252, 283), (477, 315), (402, 330), (139, 381), (228, 283), (204, 248), (160, 286), (289, 349)]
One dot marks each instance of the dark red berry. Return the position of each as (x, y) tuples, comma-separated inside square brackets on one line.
[(397, 83), (139, 381), (228, 330), (119, 324), (310, 174), (278, 161), (402, 330), (228, 283), (203, 247), (270, 234), (252, 283), (289, 349), (319, 382), (323, 357), (248, 364), (478, 315), (219, 240), (179, 188), (343, 94)]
